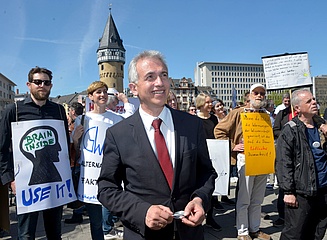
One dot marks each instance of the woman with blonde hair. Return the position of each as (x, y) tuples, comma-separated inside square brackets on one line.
[(98, 94), (172, 100), (204, 105)]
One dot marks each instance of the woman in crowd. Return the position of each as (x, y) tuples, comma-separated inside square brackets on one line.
[(172, 100), (219, 109), (99, 117), (204, 105)]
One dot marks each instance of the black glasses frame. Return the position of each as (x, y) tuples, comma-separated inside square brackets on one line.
[(39, 82)]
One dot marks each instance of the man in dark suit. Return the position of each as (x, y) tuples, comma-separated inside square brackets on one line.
[(149, 198)]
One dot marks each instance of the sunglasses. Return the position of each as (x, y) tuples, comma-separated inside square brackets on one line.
[(257, 93), (39, 82)]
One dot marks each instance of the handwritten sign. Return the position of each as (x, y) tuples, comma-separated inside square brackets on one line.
[(42, 171), (285, 71), (219, 153), (91, 160), (259, 148)]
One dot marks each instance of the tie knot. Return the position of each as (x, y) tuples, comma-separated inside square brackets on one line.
[(156, 123)]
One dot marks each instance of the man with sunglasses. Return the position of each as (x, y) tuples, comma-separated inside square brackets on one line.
[(251, 188), (35, 107)]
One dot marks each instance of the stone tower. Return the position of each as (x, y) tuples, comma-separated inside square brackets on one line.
[(111, 56)]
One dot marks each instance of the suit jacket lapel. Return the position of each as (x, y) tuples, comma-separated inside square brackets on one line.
[(140, 136), (179, 142)]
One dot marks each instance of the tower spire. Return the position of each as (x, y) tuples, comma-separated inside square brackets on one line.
[(111, 55)]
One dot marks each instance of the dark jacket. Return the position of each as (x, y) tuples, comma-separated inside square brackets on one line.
[(281, 119), (128, 157), (295, 165)]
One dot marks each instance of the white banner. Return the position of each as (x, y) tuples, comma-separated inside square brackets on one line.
[(91, 160), (286, 71), (220, 156), (119, 108), (42, 171)]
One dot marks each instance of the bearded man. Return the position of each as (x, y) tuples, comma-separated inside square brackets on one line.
[(251, 188)]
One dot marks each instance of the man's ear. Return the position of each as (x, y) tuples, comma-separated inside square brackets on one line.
[(133, 88), (296, 108)]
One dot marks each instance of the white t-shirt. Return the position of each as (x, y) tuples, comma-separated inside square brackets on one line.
[(107, 117), (279, 108)]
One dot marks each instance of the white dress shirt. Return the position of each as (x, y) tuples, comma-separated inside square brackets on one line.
[(166, 127)]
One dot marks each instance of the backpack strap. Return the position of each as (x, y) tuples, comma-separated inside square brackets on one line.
[(291, 123), (77, 156)]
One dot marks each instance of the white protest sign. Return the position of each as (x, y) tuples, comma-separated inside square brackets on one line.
[(286, 71), (91, 160), (42, 172), (220, 156), (119, 108)]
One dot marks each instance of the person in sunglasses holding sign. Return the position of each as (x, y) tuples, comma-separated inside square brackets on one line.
[(35, 107)]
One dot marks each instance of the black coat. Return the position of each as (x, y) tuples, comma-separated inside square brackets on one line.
[(128, 157)]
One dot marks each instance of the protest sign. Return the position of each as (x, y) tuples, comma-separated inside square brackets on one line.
[(219, 153), (42, 172), (287, 70), (91, 160), (119, 108), (259, 147)]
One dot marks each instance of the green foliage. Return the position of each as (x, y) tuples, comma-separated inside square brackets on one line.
[(277, 97)]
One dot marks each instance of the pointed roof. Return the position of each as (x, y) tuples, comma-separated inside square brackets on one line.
[(110, 37)]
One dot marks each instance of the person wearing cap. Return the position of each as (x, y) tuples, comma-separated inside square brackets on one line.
[(113, 99), (251, 188)]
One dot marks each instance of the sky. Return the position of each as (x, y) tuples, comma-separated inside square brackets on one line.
[(63, 35)]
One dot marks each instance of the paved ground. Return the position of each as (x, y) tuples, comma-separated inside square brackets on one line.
[(225, 218)]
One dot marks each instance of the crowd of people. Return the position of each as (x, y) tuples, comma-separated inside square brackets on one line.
[(152, 170)]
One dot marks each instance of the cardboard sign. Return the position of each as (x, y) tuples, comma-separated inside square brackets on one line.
[(259, 147), (91, 160), (287, 70), (42, 172), (219, 153)]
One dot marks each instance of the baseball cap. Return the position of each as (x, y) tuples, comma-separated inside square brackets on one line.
[(257, 85), (112, 91)]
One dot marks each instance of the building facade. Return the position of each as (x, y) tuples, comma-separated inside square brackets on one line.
[(7, 92), (111, 56), (223, 78), (185, 92), (320, 91)]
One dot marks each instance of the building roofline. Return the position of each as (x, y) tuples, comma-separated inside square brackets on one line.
[(226, 63), (8, 79)]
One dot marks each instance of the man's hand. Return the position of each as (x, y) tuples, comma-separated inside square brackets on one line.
[(13, 187), (323, 128), (290, 200), (239, 147), (158, 216), (79, 130), (194, 213), (122, 97)]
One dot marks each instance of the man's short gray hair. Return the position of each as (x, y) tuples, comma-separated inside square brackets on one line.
[(112, 98), (296, 99), (286, 95), (132, 73)]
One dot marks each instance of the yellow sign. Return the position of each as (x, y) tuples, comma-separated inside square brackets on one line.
[(259, 147)]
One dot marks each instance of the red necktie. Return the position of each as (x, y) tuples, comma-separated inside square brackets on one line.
[(162, 151)]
